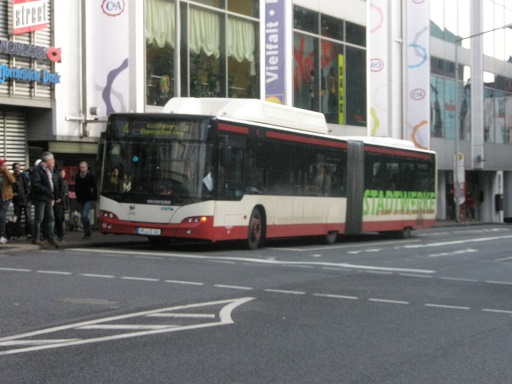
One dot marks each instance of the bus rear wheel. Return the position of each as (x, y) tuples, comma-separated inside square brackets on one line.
[(255, 232), (331, 237)]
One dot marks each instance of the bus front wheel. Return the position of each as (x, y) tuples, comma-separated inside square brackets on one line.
[(255, 232)]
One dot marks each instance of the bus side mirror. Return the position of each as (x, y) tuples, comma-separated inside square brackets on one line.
[(225, 155)]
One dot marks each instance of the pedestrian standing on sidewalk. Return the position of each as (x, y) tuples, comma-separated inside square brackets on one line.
[(21, 201), (61, 202), (86, 194), (6, 181), (43, 199)]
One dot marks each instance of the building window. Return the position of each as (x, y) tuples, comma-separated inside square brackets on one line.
[(160, 45), (204, 49), (329, 76)]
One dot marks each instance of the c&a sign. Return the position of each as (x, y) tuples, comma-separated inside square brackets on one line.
[(28, 16)]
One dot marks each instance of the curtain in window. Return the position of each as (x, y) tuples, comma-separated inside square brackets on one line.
[(204, 32), (242, 41), (160, 23)]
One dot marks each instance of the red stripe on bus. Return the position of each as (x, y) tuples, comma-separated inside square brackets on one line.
[(388, 151), (306, 140), (233, 129)]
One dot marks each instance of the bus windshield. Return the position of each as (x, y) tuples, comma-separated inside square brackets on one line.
[(156, 160)]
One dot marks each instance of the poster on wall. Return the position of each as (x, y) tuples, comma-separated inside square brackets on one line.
[(378, 71), (418, 74), (108, 46), (274, 54)]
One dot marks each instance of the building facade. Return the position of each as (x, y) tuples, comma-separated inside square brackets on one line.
[(65, 65)]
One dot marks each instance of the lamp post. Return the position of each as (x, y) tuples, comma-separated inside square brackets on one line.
[(456, 170)]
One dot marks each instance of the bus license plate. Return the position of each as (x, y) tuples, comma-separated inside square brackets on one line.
[(149, 231)]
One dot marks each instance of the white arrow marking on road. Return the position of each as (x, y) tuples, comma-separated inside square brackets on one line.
[(224, 318)]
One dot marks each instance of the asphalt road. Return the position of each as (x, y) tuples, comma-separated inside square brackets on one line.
[(432, 309)]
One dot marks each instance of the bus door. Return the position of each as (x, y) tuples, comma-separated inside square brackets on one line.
[(355, 187)]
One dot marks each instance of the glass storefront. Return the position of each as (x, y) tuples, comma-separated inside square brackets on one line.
[(219, 51), (329, 73)]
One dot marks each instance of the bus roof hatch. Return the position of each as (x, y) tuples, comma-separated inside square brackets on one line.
[(253, 110)]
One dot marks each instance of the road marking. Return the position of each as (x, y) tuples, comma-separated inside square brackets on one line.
[(139, 278), (504, 258), (497, 311), (457, 242), (459, 279), (94, 275), (15, 270), (184, 282), (414, 275), (498, 282), (266, 261), (185, 315), (336, 296), (457, 252), (446, 306), (284, 291), (388, 301), (232, 287), (223, 317), (55, 273)]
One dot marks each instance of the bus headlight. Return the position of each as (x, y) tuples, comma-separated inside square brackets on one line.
[(195, 220), (107, 215)]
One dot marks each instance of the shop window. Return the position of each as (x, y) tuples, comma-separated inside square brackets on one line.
[(305, 79), (356, 34), (332, 27), (246, 7), (241, 48), (204, 48), (356, 86), (333, 82), (305, 19), (212, 3), (160, 44)]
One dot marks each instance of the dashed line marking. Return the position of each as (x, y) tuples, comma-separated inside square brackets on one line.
[(15, 270), (139, 278), (459, 279), (498, 282), (232, 287), (55, 273), (95, 275), (497, 311), (446, 306), (414, 275), (336, 296), (284, 291), (184, 282), (388, 301)]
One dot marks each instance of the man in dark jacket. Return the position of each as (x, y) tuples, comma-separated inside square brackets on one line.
[(86, 193), (43, 198), (21, 200)]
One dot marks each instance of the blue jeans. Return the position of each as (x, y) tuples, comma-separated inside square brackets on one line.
[(43, 210), (85, 209), (4, 205)]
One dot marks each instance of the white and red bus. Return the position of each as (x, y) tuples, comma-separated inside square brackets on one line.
[(244, 169)]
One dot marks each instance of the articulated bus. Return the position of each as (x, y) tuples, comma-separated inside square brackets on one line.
[(244, 169)]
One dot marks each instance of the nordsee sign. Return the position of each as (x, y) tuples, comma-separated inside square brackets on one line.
[(28, 74)]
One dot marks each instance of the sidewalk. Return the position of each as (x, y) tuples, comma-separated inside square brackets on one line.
[(72, 239)]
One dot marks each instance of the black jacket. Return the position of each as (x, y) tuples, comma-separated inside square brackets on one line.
[(41, 188), (85, 188)]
